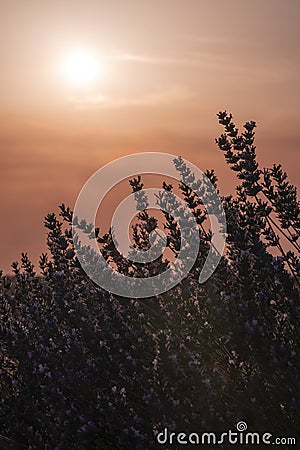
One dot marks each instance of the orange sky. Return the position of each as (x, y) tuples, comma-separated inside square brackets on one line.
[(169, 67)]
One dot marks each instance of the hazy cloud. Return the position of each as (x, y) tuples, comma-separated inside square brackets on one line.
[(166, 96), (129, 57), (228, 57)]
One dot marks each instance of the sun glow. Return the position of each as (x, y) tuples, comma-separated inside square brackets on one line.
[(82, 67)]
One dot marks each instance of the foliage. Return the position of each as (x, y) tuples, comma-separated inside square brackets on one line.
[(82, 368)]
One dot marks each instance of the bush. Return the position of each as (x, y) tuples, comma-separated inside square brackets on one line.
[(85, 369)]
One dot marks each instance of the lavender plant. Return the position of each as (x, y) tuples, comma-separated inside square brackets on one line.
[(82, 368)]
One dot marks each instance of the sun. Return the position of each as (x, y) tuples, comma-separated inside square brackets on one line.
[(82, 67)]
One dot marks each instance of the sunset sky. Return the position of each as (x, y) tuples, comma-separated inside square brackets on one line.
[(163, 71)]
